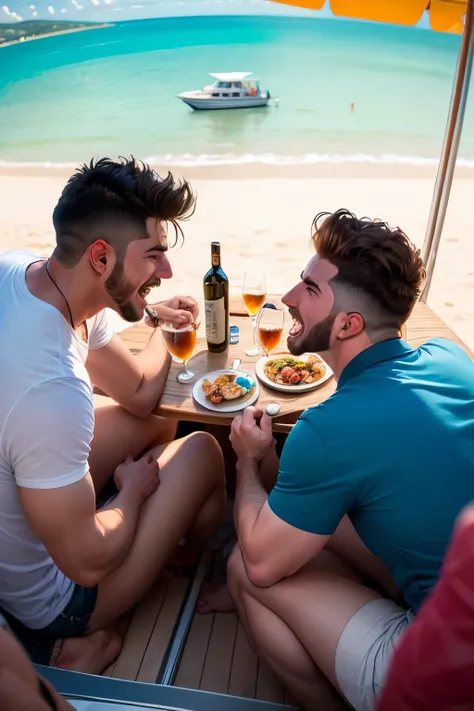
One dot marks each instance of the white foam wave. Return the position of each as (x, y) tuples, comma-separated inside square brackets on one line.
[(37, 164), (190, 160)]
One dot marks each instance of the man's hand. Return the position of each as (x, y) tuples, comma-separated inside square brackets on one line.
[(251, 441), (179, 312), (141, 476)]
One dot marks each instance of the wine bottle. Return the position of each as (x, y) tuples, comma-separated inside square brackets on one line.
[(216, 303)]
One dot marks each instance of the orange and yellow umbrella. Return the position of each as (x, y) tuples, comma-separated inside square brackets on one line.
[(445, 15)]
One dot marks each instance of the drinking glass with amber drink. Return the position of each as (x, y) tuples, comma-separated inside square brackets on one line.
[(254, 292), (180, 343), (270, 327)]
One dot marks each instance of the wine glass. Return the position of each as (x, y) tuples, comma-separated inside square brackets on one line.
[(270, 327), (180, 343), (254, 292)]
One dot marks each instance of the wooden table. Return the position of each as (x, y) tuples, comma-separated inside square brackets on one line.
[(177, 400)]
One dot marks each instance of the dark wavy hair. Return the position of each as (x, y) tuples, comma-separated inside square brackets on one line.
[(377, 264), (111, 200)]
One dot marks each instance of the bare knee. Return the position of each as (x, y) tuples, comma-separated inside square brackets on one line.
[(206, 454)]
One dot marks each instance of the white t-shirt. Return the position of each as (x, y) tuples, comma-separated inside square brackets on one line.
[(46, 426)]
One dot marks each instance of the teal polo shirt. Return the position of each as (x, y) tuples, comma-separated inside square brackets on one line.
[(393, 448)]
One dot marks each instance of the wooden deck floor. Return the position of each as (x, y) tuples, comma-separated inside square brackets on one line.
[(218, 657), (149, 631)]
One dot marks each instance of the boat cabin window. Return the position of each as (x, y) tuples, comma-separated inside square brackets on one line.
[(223, 85), (235, 93)]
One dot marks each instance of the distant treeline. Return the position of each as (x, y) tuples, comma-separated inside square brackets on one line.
[(18, 31)]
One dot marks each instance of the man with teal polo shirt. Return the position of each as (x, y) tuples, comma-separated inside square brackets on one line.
[(334, 563)]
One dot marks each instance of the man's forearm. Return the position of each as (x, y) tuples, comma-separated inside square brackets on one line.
[(249, 500), (155, 362)]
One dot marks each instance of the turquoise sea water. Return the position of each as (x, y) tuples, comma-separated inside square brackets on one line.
[(112, 91)]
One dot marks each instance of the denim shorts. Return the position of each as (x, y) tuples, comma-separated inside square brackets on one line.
[(71, 622)]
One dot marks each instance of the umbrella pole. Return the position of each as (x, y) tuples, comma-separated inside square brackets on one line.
[(449, 151)]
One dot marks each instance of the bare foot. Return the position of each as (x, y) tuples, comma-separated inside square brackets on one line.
[(91, 654), (215, 598)]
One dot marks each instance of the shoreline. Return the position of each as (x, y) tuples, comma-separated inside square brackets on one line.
[(22, 40), (260, 171)]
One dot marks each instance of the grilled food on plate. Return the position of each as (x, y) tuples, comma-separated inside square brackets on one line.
[(288, 370), (227, 387)]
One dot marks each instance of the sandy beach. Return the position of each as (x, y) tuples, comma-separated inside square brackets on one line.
[(30, 38), (262, 216)]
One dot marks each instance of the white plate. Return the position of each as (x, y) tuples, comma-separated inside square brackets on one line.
[(226, 405), (259, 370)]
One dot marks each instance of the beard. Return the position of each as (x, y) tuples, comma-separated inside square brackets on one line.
[(121, 291), (315, 341)]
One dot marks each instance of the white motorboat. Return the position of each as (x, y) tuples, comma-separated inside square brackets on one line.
[(230, 91)]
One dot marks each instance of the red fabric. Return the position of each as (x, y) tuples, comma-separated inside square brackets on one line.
[(433, 666)]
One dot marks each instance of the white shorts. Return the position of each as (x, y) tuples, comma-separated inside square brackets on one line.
[(365, 649)]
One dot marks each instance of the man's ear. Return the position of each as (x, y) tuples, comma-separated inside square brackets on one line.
[(100, 254), (351, 325)]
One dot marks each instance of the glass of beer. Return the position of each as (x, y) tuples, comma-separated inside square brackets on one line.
[(270, 327), (180, 343), (254, 292)]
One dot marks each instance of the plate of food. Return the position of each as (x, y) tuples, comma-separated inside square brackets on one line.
[(225, 390), (293, 374)]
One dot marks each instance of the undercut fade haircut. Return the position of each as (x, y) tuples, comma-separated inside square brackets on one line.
[(379, 268), (111, 200)]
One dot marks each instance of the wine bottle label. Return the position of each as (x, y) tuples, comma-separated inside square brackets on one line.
[(215, 321)]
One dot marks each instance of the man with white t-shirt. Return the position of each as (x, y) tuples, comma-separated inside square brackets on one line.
[(69, 571)]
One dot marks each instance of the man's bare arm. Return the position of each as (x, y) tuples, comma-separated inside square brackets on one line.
[(135, 382), (271, 549), (86, 544)]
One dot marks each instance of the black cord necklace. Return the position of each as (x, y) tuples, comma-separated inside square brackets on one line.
[(57, 287)]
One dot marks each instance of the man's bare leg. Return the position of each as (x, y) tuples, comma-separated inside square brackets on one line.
[(118, 433), (190, 500), (296, 624)]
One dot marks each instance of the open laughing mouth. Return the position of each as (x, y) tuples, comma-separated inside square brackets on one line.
[(146, 288), (297, 328)]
